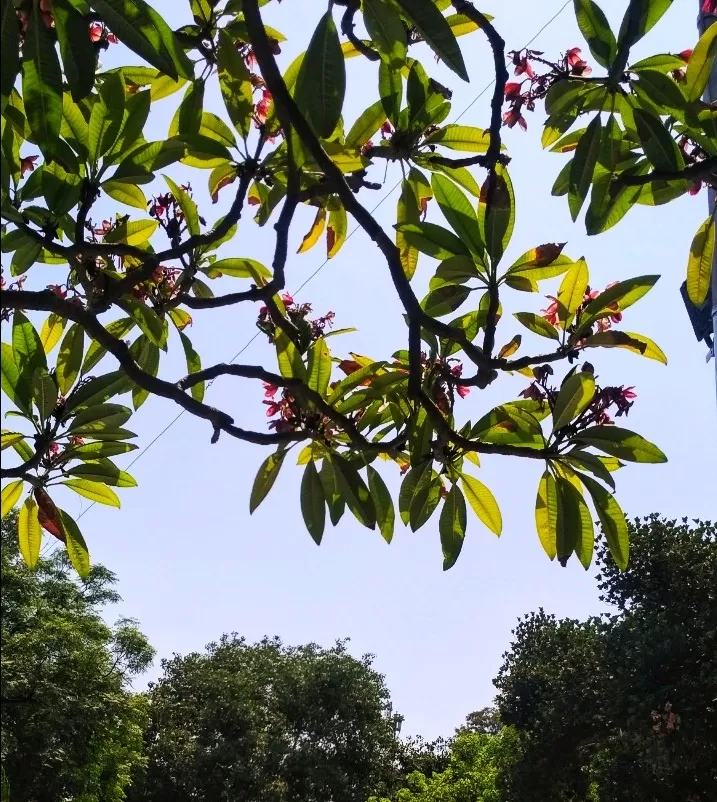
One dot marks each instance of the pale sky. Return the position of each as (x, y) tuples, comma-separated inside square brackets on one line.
[(193, 564)]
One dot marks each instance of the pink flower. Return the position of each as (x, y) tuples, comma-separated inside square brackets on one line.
[(261, 110), (512, 90), (709, 7), (269, 390), (287, 299), (27, 164), (578, 66), (272, 408), (523, 66), (387, 129), (513, 117), (551, 313)]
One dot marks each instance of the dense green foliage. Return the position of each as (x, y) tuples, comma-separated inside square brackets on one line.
[(288, 143), (622, 708), (267, 723), (71, 728)]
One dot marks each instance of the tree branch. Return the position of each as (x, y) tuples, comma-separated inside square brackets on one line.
[(290, 115), (221, 422), (347, 29), (705, 169)]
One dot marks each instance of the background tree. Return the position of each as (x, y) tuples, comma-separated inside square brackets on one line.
[(128, 287), (268, 723), (622, 708), (71, 728), (475, 763)]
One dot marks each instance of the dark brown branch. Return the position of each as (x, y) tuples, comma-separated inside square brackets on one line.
[(300, 389), (347, 29), (21, 471), (705, 169), (47, 301), (290, 115)]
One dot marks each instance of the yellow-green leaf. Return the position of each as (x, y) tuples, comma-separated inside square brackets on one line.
[(29, 533), (95, 491), (546, 513), (312, 237), (574, 396), (700, 263), (483, 503), (75, 544), (572, 290), (51, 331), (10, 496)]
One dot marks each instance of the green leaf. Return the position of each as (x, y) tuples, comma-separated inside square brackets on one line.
[(29, 533), (621, 443), (9, 49), (354, 490), (143, 30), (321, 84), (15, 384), (483, 503), (436, 31), (575, 526), (98, 390), (572, 291), (639, 18), (313, 508), (10, 439), (617, 298), (27, 347), (390, 89), (154, 327), (546, 513), (582, 167), (132, 232), (385, 514), (386, 30), (637, 343), (612, 520), (194, 365), (239, 268), (575, 395), (186, 204), (332, 493), (434, 240), (146, 355), (45, 393), (319, 367), (42, 84), (538, 325), (10, 496), (128, 194), (69, 359), (189, 113), (79, 57), (583, 461), (51, 331), (460, 137), (544, 261), (265, 478), (701, 261), (291, 365), (106, 118), (235, 84), (100, 416), (425, 501), (104, 471), (452, 526), (701, 64), (94, 491), (444, 300), (117, 328), (458, 212), (336, 231), (659, 146), (497, 218), (366, 125), (595, 28), (106, 448), (75, 543)]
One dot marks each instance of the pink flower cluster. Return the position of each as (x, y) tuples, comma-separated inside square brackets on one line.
[(552, 313), (523, 94)]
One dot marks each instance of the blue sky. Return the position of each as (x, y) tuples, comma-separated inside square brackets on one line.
[(191, 561)]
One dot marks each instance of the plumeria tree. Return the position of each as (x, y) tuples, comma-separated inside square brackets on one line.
[(75, 134)]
